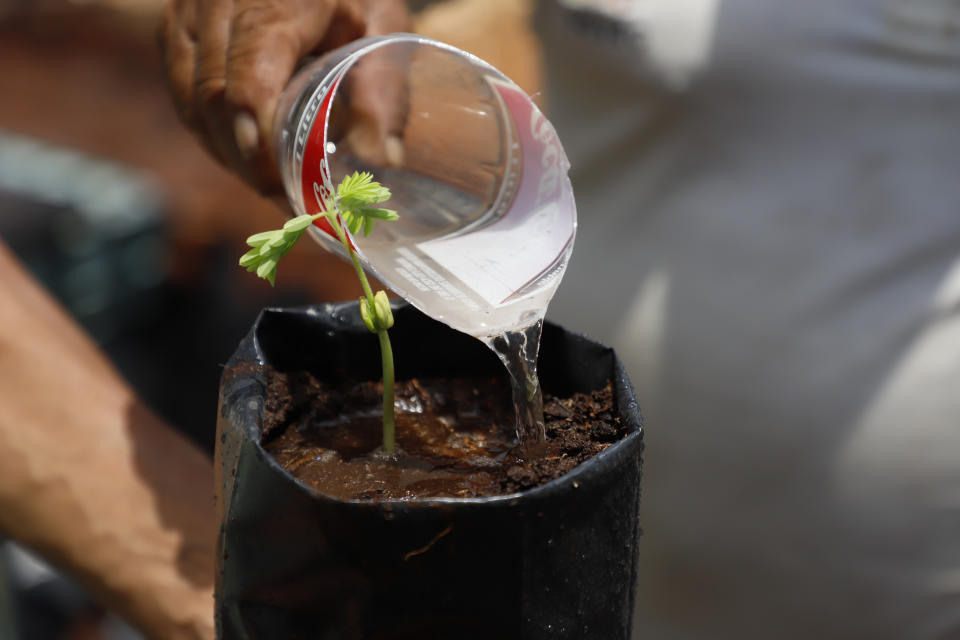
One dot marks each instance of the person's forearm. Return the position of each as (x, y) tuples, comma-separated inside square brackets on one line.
[(92, 480)]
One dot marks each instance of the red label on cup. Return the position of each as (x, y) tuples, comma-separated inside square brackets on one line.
[(543, 159), (315, 179)]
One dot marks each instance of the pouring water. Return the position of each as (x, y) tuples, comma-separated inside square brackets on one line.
[(479, 177)]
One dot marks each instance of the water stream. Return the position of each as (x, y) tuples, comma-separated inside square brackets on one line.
[(518, 351)]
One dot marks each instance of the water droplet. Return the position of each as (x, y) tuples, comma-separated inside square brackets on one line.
[(326, 456), (413, 404)]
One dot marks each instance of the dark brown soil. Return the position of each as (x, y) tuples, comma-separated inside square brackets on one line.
[(455, 438)]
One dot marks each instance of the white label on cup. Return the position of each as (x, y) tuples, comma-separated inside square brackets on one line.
[(500, 259)]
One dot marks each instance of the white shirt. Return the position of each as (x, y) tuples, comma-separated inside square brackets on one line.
[(770, 236)]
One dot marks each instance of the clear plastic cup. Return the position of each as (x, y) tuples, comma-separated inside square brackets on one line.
[(478, 176)]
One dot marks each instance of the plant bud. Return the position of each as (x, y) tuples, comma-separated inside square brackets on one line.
[(384, 313), (378, 316), (368, 315)]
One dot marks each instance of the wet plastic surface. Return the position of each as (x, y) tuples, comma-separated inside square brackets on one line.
[(558, 561)]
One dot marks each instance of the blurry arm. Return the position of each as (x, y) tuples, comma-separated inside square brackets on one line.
[(91, 479)]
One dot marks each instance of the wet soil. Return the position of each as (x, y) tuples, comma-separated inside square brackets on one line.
[(455, 438)]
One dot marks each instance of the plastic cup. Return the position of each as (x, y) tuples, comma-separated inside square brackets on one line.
[(477, 175)]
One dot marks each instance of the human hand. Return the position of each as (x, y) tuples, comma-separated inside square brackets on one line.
[(227, 62)]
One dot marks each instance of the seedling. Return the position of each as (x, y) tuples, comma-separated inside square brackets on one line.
[(353, 207)]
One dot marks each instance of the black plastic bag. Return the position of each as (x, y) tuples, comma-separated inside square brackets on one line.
[(557, 561)]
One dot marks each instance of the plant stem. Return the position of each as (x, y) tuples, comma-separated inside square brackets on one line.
[(341, 234), (386, 351), (386, 354), (367, 291)]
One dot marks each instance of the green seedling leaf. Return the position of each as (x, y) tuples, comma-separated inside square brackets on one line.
[(270, 246), (259, 238), (268, 270), (299, 223), (354, 222), (250, 259), (388, 215), (359, 189)]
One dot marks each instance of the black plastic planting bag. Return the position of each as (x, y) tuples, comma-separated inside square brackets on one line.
[(558, 561)]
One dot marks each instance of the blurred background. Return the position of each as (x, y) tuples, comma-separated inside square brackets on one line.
[(117, 210)]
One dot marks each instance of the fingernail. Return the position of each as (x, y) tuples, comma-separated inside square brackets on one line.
[(247, 135), (393, 149)]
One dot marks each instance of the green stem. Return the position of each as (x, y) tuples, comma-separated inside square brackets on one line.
[(386, 354), (367, 291), (386, 351), (335, 223)]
